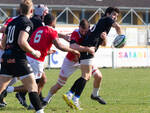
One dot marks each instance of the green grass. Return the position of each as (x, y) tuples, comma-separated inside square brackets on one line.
[(125, 91)]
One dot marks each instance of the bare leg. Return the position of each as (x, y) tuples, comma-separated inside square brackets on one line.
[(30, 84), (61, 81)]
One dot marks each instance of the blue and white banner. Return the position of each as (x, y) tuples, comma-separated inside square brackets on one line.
[(109, 57)]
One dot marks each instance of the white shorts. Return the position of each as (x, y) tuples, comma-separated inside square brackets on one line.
[(69, 67), (87, 61), (37, 67)]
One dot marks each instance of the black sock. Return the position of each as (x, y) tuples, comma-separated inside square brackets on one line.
[(23, 94), (41, 96), (78, 86), (4, 94), (73, 88), (35, 100)]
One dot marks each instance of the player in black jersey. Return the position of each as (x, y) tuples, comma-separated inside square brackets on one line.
[(39, 13), (86, 60), (14, 63)]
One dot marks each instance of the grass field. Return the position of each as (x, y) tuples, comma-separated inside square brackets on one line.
[(125, 91)]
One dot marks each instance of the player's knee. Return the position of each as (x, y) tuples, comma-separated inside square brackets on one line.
[(59, 86), (33, 88), (42, 81), (44, 78), (86, 76), (98, 76)]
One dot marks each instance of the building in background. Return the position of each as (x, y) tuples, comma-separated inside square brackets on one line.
[(134, 20), (134, 17), (133, 12)]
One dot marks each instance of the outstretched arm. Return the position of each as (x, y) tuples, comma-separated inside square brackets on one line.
[(62, 47), (117, 27), (65, 37)]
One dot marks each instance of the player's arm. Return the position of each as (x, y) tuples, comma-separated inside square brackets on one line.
[(50, 52), (3, 28), (3, 42), (104, 37), (117, 27), (82, 48), (65, 37), (62, 47), (23, 43)]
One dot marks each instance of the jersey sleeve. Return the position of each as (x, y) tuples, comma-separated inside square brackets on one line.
[(6, 24), (73, 38), (109, 21), (27, 27), (54, 35)]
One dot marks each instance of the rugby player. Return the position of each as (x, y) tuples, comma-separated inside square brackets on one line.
[(86, 59)]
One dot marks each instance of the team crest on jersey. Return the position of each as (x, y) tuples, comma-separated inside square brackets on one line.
[(28, 28)]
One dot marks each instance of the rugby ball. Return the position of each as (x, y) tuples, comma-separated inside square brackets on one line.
[(119, 41)]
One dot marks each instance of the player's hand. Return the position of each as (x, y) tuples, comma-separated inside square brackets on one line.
[(91, 50), (67, 37), (76, 53), (51, 52), (103, 35), (122, 46), (36, 53)]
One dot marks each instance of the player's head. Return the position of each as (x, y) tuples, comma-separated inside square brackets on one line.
[(50, 20), (112, 12), (41, 10), (26, 7), (84, 27)]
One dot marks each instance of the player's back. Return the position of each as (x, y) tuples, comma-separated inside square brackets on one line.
[(37, 22), (42, 40), (93, 36), (21, 23)]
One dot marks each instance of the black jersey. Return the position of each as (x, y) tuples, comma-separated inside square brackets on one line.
[(37, 22), (93, 35), (13, 50)]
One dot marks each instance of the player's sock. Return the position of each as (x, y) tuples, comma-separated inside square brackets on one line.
[(13, 81), (80, 86), (35, 100), (10, 89), (75, 85), (95, 92), (41, 96), (49, 97), (76, 98), (70, 94), (40, 111), (23, 94)]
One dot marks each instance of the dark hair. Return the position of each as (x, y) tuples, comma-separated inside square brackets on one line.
[(109, 10), (48, 19), (84, 24)]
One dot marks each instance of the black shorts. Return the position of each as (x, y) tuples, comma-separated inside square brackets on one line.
[(85, 55), (18, 69)]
